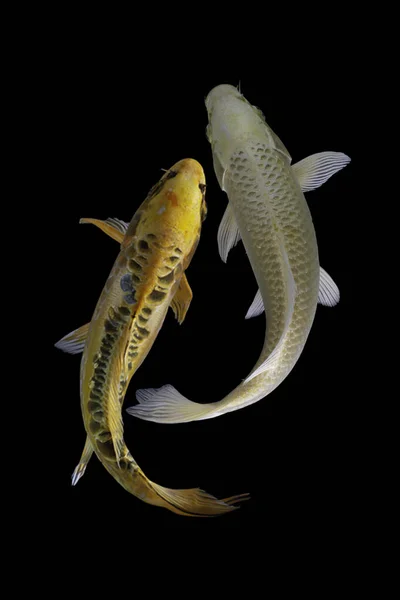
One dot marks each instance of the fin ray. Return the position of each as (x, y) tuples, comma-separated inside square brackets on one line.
[(314, 170), (256, 307), (167, 405), (228, 233), (74, 342), (196, 502), (329, 294), (113, 227)]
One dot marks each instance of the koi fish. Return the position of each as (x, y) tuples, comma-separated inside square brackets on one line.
[(148, 276), (268, 211)]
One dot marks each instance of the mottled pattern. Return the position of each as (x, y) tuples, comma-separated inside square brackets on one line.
[(270, 208)]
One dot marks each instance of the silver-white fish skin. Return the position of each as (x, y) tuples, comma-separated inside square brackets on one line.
[(253, 167)]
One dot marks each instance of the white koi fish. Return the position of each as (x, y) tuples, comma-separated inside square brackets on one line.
[(268, 211)]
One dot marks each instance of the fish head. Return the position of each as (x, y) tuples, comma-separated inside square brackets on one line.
[(232, 121), (176, 206)]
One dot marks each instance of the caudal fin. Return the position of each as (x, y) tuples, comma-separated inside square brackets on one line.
[(167, 405), (195, 502)]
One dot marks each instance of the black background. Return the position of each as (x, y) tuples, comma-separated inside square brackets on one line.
[(111, 130)]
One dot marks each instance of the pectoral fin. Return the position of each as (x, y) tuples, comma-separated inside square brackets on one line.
[(115, 228), (74, 342), (313, 171), (182, 299), (228, 233)]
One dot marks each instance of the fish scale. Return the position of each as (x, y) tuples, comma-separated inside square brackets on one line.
[(259, 210)]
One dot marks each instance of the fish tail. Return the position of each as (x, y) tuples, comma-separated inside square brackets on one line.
[(192, 502), (167, 405)]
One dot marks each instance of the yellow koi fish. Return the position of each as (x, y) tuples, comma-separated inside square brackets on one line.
[(148, 276), (268, 211)]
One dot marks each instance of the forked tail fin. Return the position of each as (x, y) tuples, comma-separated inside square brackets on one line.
[(167, 405)]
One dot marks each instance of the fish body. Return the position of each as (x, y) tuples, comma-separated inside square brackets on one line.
[(268, 211), (147, 277)]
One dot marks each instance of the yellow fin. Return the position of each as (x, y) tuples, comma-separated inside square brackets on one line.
[(182, 299), (115, 228), (195, 502)]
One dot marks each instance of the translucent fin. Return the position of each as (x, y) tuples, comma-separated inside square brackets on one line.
[(74, 342), (228, 233), (182, 299), (256, 307), (81, 466), (115, 228), (313, 171), (195, 502), (329, 294), (167, 405), (291, 298)]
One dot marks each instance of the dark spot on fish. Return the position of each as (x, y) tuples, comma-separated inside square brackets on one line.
[(143, 246), (178, 250), (167, 278), (151, 236), (104, 437), (173, 259), (95, 395), (106, 449), (138, 337), (135, 266), (94, 427), (124, 311), (130, 366), (94, 406), (132, 354), (142, 319), (110, 326), (129, 299), (98, 416), (126, 283), (157, 296), (144, 332), (146, 310), (135, 278), (123, 464)]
